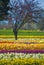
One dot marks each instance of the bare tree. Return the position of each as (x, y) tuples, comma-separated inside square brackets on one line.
[(22, 12)]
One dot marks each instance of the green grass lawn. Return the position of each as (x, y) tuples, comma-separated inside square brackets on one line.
[(23, 32)]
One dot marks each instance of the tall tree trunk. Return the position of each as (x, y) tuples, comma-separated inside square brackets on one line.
[(15, 34), (15, 30)]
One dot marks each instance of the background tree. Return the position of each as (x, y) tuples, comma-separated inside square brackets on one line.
[(22, 12), (41, 24), (3, 9)]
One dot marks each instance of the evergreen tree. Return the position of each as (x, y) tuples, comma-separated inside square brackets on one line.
[(3, 8)]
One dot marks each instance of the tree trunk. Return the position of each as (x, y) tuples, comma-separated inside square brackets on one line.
[(15, 34), (15, 30)]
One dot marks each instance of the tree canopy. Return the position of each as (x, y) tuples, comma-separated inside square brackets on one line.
[(24, 11)]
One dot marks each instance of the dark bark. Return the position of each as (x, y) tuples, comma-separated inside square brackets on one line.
[(15, 30), (15, 34)]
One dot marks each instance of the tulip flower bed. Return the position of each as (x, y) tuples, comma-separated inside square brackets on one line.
[(21, 36), (21, 59), (23, 40), (23, 48), (21, 55), (27, 50)]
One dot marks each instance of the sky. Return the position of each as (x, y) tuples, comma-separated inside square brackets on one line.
[(42, 3)]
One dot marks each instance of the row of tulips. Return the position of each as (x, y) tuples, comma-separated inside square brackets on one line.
[(22, 51), (29, 48), (20, 55), (21, 59), (21, 46), (22, 41), (22, 36)]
